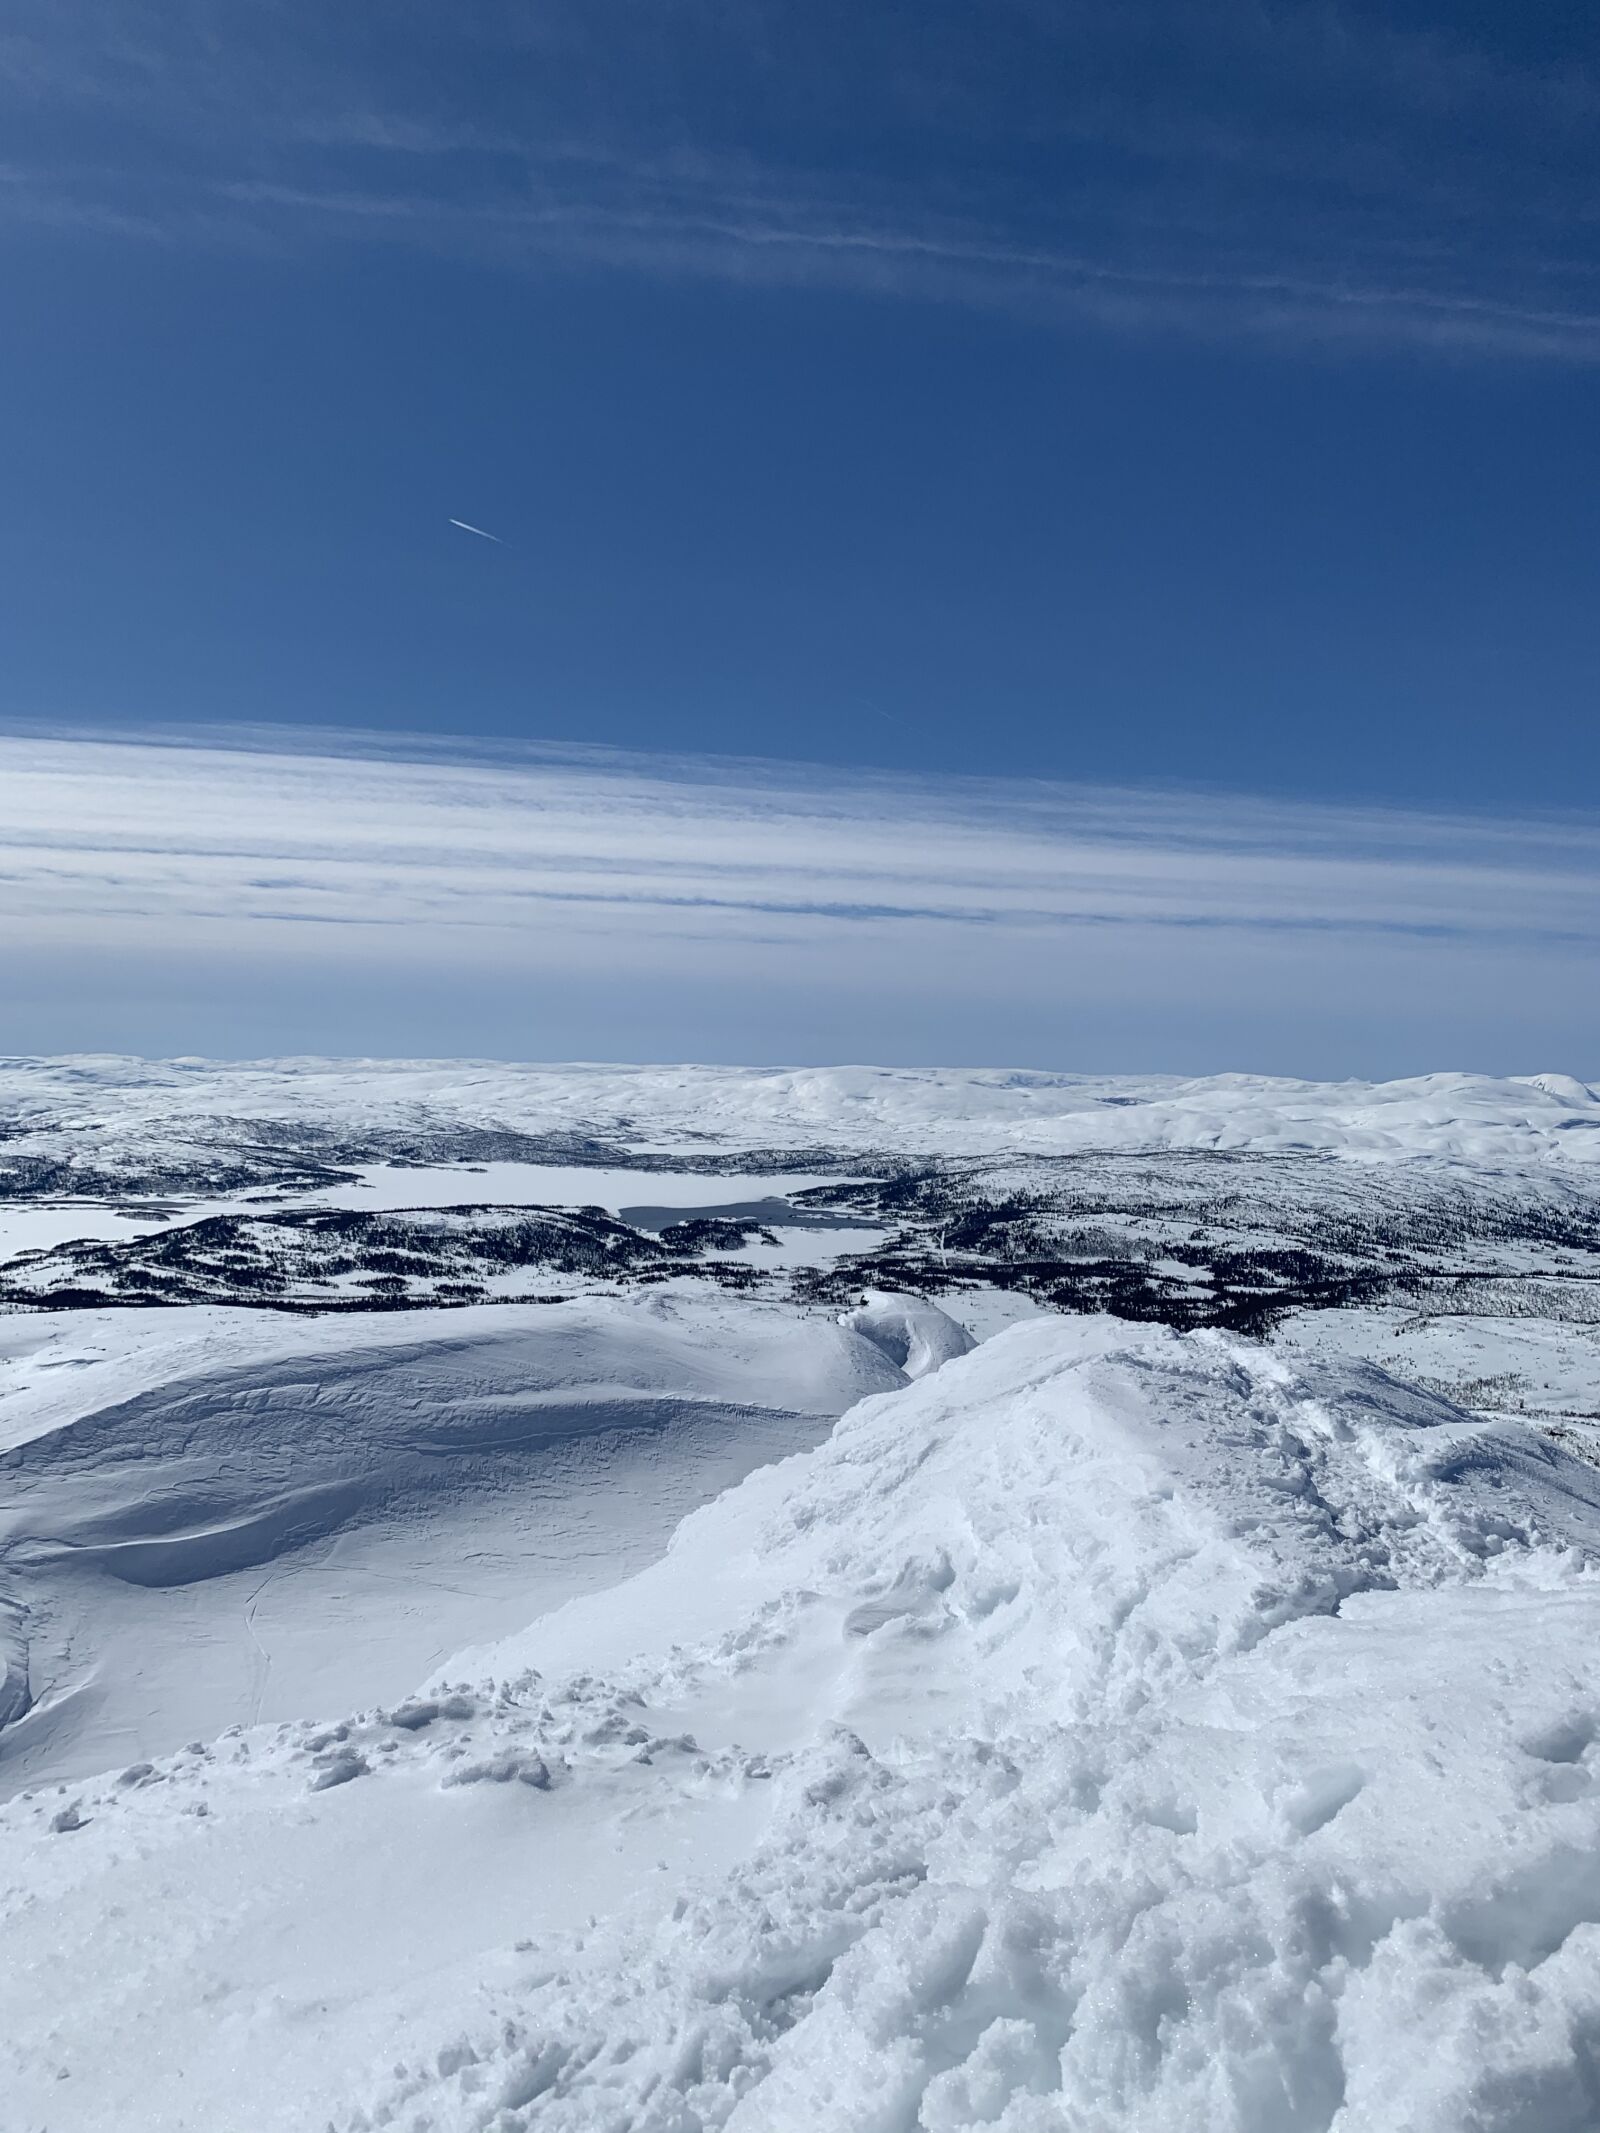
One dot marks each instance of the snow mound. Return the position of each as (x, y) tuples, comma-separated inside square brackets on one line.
[(259, 1539), (916, 1336), (1114, 1730)]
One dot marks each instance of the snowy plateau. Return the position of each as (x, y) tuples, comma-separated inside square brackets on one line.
[(836, 1601)]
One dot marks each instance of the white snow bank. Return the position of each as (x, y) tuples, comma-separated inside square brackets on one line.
[(916, 1335), (1111, 1731), (272, 1537)]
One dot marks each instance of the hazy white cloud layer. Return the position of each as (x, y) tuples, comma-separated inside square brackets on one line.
[(304, 894)]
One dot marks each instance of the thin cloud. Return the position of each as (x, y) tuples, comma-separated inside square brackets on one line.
[(278, 892), (795, 244), (1298, 175), (153, 837)]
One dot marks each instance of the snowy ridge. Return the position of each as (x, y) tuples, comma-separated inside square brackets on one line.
[(1114, 1729)]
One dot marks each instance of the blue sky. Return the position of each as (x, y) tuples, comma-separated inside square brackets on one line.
[(1189, 398)]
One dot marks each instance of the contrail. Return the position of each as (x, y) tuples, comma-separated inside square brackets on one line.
[(478, 530)]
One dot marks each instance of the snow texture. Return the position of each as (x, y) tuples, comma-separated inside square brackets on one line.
[(1106, 1727), (257, 1538), (1112, 1729)]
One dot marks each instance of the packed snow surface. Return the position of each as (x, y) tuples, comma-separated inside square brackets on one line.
[(1110, 1729)]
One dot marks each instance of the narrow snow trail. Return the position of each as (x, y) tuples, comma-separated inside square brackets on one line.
[(1113, 1730)]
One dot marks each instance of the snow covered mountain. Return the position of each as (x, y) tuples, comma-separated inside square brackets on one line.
[(1180, 1708)]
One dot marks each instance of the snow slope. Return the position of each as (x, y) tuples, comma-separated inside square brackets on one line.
[(1112, 1730), (261, 1535)]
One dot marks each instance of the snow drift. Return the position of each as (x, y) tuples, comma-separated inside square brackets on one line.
[(917, 1337), (1114, 1730), (263, 1539)]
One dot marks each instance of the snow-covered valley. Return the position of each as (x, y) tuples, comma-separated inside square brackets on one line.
[(463, 1673)]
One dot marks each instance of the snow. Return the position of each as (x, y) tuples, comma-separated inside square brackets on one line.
[(389, 1187), (540, 1717), (255, 1540), (1542, 1369), (40, 1228), (384, 1185), (119, 1109), (918, 1338), (1109, 1729)]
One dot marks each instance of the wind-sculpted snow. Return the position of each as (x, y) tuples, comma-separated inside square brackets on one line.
[(254, 1538), (1136, 1683), (916, 1337), (1113, 1730)]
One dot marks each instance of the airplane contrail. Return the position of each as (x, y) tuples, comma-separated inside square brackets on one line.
[(478, 530)]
